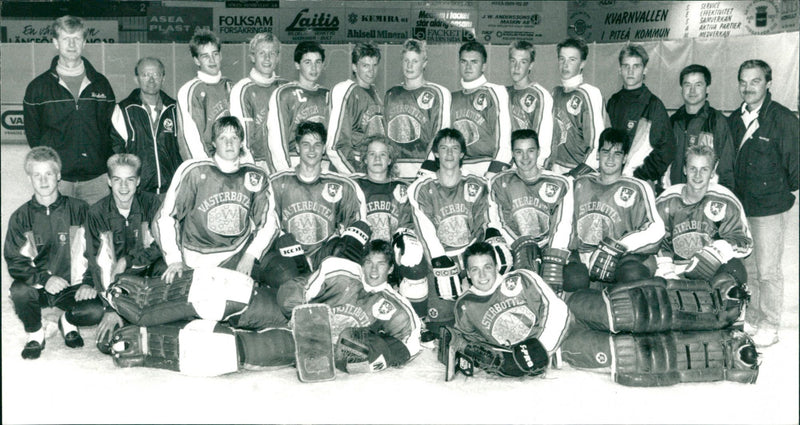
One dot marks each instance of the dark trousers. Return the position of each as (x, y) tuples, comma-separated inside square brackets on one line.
[(29, 301)]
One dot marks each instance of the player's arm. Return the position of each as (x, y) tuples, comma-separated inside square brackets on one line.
[(100, 250), (480, 213), (20, 252), (265, 218), (726, 153), (279, 125), (79, 260), (352, 207), (665, 265), (190, 112), (119, 131), (648, 233), (243, 110), (790, 152), (594, 119), (339, 146), (147, 251), (462, 322), (562, 216), (502, 159), (543, 124), (555, 323), (32, 110), (499, 209), (661, 140), (176, 205), (735, 239), (421, 206)]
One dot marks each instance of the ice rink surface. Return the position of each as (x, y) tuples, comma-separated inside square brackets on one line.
[(84, 386)]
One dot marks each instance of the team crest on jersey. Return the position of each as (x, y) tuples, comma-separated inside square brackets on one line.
[(479, 102), (528, 103), (471, 192), (715, 210), (169, 125), (400, 193), (425, 100), (631, 124), (549, 192), (433, 313), (383, 309), (625, 196), (511, 286), (574, 105), (332, 192), (62, 238), (253, 181)]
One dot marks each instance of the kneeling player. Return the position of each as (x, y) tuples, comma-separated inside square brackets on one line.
[(507, 324), (615, 220), (707, 231)]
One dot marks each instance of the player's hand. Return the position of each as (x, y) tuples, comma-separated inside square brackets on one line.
[(246, 264), (174, 269), (55, 285), (85, 292), (111, 321), (119, 267)]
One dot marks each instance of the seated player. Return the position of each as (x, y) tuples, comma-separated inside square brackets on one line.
[(450, 213), (44, 251), (615, 217), (119, 235), (532, 210), (315, 206), (507, 325), (220, 212), (356, 111), (706, 227)]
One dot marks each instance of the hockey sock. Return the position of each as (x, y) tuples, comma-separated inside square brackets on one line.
[(37, 336), (66, 325)]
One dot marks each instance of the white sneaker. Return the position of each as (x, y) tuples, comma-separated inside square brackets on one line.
[(749, 329), (765, 337)]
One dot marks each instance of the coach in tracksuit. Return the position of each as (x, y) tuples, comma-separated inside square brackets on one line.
[(766, 172)]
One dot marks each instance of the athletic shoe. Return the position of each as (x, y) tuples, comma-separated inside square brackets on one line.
[(765, 337), (32, 350)]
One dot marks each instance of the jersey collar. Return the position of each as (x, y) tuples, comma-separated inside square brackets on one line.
[(473, 84)]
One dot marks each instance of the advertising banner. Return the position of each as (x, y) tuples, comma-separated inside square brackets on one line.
[(444, 22), (39, 31), (321, 23), (501, 22), (13, 128), (238, 25), (176, 24), (381, 22)]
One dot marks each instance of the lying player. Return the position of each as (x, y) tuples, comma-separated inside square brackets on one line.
[(506, 325)]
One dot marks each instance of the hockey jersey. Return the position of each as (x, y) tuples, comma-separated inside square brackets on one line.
[(532, 108), (541, 208), (624, 211), (48, 241), (579, 116), (718, 220), (481, 115), (210, 214), (356, 113), (388, 208), (250, 103), (518, 307), (201, 101), (449, 219), (413, 117), (316, 211), (289, 105)]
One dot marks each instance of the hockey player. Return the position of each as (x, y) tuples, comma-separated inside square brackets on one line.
[(44, 250), (696, 122), (530, 104), (356, 111), (250, 97), (706, 227), (203, 99), (315, 205), (450, 213), (218, 211), (531, 208), (639, 112), (579, 113), (615, 216), (415, 111), (515, 320), (295, 102), (480, 112)]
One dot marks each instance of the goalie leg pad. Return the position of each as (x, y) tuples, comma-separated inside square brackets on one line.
[(313, 342), (632, 268), (263, 312), (587, 349), (267, 348), (218, 294)]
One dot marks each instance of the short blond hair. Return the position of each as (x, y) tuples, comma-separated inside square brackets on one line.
[(42, 154), (69, 24)]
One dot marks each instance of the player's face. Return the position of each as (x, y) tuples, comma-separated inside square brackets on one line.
[(366, 69), (413, 65), (123, 181), (44, 177), (698, 169), (449, 153), (611, 159), (310, 67), (228, 144), (378, 159), (753, 86), (694, 89), (376, 268), (471, 66), (525, 155), (69, 44), (570, 63), (519, 64), (310, 148), (482, 271), (208, 59), (150, 78), (632, 72), (265, 58)]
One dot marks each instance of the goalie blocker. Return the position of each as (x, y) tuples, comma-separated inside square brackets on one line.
[(667, 358)]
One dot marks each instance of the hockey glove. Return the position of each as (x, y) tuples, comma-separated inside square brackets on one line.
[(553, 262), (352, 242), (502, 255), (360, 350), (290, 249), (526, 254), (603, 262), (579, 170), (445, 272), (704, 264), (407, 249)]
